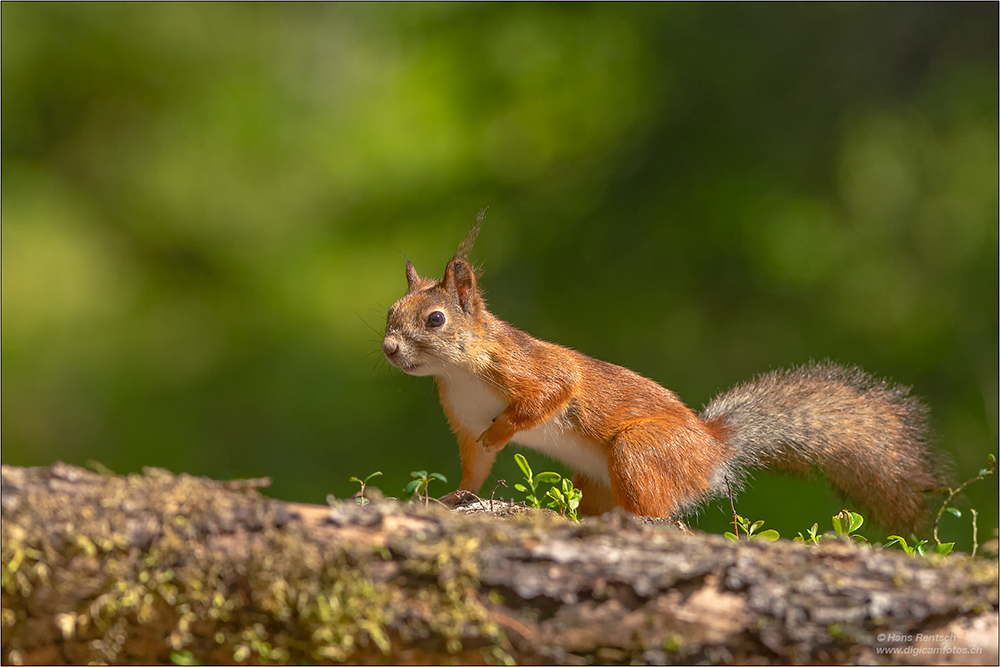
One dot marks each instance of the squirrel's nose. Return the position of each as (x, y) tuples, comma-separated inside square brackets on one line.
[(390, 348)]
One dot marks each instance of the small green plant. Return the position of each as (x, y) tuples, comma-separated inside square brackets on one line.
[(565, 498), (845, 522), (183, 658), (750, 530), (916, 550), (811, 535), (946, 547), (562, 496), (531, 490), (360, 497), (419, 484)]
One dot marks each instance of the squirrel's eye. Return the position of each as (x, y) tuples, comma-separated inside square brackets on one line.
[(435, 319)]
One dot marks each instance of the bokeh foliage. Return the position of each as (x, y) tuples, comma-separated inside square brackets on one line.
[(206, 208)]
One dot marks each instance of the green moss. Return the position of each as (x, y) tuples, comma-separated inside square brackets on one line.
[(138, 545), (673, 642)]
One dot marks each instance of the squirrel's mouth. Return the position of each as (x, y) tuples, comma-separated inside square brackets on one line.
[(410, 368)]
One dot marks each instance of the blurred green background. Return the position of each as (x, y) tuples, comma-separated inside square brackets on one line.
[(206, 209)]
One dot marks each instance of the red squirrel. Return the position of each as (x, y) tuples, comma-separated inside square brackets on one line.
[(632, 442)]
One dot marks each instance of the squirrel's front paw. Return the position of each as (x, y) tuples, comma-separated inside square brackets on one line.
[(494, 448), (493, 441)]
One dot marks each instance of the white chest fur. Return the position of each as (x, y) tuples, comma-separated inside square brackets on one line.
[(475, 404)]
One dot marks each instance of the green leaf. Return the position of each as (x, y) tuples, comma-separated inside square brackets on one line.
[(769, 535), (374, 474), (548, 477), (860, 539), (896, 539), (756, 525), (522, 463), (954, 510), (842, 522), (354, 479), (731, 536), (437, 475), (856, 520), (418, 473), (944, 548), (183, 658), (521, 487), (412, 487)]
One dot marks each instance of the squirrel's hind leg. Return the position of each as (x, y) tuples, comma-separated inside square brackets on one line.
[(660, 466), (597, 496)]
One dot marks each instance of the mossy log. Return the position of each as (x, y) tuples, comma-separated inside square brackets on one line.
[(161, 568)]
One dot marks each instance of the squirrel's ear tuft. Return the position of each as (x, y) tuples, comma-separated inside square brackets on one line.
[(460, 278), (412, 278), (465, 247)]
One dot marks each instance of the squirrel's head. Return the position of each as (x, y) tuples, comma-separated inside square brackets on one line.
[(437, 324)]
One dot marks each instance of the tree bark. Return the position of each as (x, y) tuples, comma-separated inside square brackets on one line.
[(161, 568)]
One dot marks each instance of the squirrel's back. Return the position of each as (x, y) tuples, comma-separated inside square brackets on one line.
[(868, 436)]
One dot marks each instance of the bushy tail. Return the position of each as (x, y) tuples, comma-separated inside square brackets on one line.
[(868, 436)]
